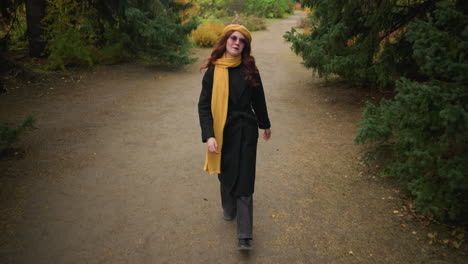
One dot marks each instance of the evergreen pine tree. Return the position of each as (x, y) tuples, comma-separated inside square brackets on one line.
[(149, 28), (418, 47), (361, 41)]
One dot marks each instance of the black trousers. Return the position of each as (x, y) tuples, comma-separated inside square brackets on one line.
[(243, 207)]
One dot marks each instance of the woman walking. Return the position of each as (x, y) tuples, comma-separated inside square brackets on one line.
[(231, 109)]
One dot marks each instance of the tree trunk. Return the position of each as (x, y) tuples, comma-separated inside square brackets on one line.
[(35, 12), (2, 89)]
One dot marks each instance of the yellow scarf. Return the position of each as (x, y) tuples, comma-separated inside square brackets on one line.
[(219, 107)]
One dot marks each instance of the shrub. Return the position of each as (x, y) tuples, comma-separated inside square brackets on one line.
[(420, 135), (208, 34), (425, 126), (68, 49), (9, 135), (303, 22), (345, 40), (207, 7), (260, 8), (233, 7), (253, 23), (13, 26), (68, 42), (270, 8), (81, 33), (292, 6), (153, 30), (111, 53), (308, 12)]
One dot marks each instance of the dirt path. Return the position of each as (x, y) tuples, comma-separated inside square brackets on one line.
[(113, 174)]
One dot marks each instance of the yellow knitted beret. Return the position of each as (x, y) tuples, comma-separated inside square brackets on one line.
[(239, 28)]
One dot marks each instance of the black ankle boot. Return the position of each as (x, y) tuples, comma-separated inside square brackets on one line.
[(244, 244), (228, 217)]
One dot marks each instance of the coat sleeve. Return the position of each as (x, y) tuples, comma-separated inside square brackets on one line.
[(259, 106), (204, 106)]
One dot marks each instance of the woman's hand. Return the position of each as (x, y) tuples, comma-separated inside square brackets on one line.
[(267, 134), (212, 145)]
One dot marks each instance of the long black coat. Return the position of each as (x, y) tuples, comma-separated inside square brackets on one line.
[(247, 112)]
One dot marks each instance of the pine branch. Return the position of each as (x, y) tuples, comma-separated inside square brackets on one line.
[(401, 21)]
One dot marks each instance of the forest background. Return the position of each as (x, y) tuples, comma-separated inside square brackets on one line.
[(411, 53)]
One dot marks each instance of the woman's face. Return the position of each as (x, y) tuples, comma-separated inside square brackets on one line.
[(235, 44)]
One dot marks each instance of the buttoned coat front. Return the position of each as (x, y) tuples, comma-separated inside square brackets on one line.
[(247, 111)]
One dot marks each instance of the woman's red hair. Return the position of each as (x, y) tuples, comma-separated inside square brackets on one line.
[(248, 61)]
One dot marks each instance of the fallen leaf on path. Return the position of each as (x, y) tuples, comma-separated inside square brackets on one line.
[(456, 244)]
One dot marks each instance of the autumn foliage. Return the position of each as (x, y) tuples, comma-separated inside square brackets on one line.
[(208, 34)]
